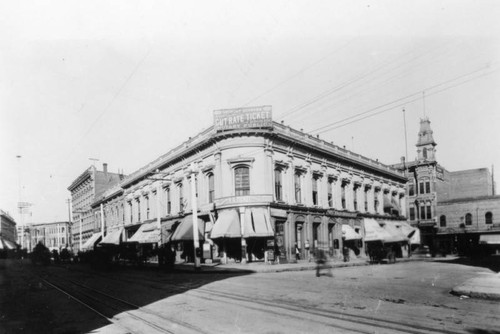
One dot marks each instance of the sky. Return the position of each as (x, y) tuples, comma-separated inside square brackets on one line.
[(123, 82)]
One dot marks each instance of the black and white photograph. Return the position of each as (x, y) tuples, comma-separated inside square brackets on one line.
[(220, 166)]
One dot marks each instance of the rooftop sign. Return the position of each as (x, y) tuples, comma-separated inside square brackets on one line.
[(243, 118)]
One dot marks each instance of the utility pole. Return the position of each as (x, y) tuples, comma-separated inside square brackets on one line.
[(194, 207)]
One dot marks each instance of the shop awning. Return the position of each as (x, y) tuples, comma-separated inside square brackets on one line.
[(489, 239), (167, 231), (348, 233), (184, 231), (395, 232), (7, 244), (148, 233), (112, 238), (373, 231), (227, 225), (257, 223), (90, 243), (410, 232)]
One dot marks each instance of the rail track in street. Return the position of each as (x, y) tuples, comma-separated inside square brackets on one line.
[(127, 315), (336, 319)]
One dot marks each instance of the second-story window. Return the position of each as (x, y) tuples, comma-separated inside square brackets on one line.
[(342, 194), (278, 187), (242, 181), (211, 188), (315, 181), (376, 202), (330, 192), (147, 207), (169, 200), (468, 219), (488, 218), (138, 210), (442, 221), (131, 212), (298, 188), (412, 213), (181, 196), (366, 198), (411, 189)]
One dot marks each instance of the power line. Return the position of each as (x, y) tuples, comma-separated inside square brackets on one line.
[(106, 108), (329, 126), (300, 72)]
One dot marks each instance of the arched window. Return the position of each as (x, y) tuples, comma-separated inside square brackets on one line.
[(211, 188), (242, 181), (442, 221), (468, 219), (278, 184), (488, 217), (424, 153)]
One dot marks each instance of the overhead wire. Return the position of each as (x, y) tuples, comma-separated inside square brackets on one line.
[(334, 125), (359, 78)]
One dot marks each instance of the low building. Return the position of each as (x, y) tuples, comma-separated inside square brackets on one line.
[(54, 236), (255, 190)]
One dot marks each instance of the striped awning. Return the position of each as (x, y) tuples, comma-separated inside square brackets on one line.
[(148, 233), (112, 238), (184, 231)]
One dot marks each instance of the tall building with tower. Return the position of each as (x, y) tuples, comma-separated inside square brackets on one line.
[(455, 211)]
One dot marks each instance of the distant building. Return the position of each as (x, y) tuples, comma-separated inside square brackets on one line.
[(55, 236), (7, 231), (84, 190), (260, 188), (452, 209)]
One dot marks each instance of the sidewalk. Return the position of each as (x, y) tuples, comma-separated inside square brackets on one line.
[(485, 286)]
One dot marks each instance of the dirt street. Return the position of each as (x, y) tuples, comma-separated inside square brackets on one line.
[(410, 297)]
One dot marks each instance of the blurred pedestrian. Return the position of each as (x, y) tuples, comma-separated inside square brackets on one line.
[(345, 252), (297, 252), (321, 262)]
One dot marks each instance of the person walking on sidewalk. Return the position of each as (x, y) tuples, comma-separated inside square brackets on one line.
[(297, 252)]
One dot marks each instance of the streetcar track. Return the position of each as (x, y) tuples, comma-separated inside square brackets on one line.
[(343, 316), (330, 314), (124, 310)]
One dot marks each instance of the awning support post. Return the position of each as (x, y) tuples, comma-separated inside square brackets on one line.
[(243, 240)]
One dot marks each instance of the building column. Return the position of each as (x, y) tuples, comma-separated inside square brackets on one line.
[(218, 175)]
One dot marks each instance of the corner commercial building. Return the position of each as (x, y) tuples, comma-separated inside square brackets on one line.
[(261, 190)]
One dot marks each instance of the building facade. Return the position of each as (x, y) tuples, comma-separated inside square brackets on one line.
[(84, 190), (54, 236), (255, 190), (8, 233), (451, 209)]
